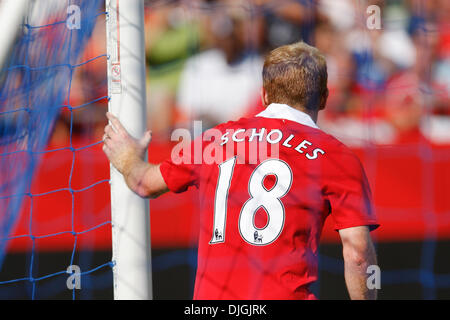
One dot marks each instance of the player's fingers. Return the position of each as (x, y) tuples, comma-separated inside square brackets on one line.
[(145, 140), (116, 123), (106, 150), (107, 142), (109, 131)]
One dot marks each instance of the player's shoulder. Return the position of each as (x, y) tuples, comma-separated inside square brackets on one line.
[(333, 142), (339, 153)]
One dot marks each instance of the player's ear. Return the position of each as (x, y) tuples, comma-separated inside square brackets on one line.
[(323, 100), (264, 97)]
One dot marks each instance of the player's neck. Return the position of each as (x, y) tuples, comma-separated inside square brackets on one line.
[(312, 113)]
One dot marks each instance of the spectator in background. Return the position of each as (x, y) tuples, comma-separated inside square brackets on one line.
[(341, 71), (441, 68), (286, 21), (88, 88), (381, 82), (172, 36), (223, 82)]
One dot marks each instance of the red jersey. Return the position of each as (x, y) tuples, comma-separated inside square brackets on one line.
[(266, 185)]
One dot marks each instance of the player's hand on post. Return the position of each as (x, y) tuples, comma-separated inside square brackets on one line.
[(122, 150)]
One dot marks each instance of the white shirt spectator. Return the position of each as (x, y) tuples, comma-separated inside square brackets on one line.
[(211, 88)]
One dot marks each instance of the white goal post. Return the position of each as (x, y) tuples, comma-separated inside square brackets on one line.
[(12, 13), (126, 88)]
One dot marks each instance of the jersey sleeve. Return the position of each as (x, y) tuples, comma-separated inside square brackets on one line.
[(184, 167), (179, 171), (348, 192)]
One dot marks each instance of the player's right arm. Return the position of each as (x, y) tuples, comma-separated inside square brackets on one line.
[(127, 155), (149, 183)]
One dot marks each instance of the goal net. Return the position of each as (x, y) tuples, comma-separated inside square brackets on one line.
[(44, 76)]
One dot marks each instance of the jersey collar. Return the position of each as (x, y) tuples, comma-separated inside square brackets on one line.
[(283, 111)]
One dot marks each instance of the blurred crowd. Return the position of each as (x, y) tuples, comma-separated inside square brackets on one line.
[(204, 61)]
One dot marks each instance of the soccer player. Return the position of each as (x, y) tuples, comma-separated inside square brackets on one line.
[(264, 199)]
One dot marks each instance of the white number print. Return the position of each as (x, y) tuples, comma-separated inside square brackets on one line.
[(260, 197), (220, 203)]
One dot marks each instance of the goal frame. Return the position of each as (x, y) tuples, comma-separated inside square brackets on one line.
[(12, 13), (130, 214)]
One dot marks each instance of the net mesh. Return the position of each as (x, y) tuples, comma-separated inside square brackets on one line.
[(37, 85)]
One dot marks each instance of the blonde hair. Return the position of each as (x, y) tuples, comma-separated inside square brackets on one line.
[(296, 74)]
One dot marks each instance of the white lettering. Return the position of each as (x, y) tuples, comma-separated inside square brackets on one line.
[(315, 154), (278, 139), (259, 135), (303, 145)]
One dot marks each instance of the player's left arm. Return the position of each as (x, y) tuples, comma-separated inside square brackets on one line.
[(127, 155), (359, 254), (350, 198)]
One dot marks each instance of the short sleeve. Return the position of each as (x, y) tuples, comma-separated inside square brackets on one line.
[(348, 192), (184, 167), (179, 172)]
